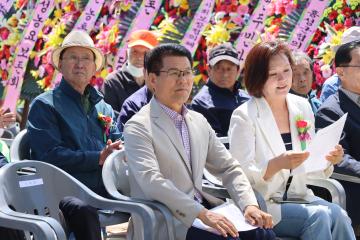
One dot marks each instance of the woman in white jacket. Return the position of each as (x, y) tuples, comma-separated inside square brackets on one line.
[(264, 137)]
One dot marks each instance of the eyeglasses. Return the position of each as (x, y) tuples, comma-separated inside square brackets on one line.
[(176, 73), (75, 59), (350, 66)]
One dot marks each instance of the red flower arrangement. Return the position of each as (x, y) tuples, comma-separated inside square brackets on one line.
[(107, 123)]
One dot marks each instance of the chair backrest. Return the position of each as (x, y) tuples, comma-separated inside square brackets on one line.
[(115, 177), (38, 192), (115, 174), (20, 147)]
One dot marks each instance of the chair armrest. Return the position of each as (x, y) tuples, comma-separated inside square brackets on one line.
[(221, 192), (143, 211), (164, 211), (261, 201), (216, 191), (8, 141), (344, 177), (334, 187), (154, 205), (40, 226)]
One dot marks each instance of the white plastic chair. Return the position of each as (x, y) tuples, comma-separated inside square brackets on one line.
[(34, 199), (115, 178), (20, 147)]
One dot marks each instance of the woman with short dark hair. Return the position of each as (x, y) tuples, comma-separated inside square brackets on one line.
[(264, 137)]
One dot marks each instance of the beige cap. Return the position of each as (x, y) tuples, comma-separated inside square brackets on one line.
[(78, 38)]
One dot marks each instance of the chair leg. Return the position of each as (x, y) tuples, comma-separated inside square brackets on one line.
[(103, 233)]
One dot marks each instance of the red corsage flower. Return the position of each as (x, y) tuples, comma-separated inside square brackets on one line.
[(302, 127), (106, 122)]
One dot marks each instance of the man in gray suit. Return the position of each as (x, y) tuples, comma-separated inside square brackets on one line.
[(168, 147)]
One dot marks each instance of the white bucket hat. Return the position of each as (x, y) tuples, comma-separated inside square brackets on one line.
[(350, 35), (78, 38)]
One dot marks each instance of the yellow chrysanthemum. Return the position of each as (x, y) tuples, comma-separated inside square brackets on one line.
[(166, 25), (58, 13), (35, 74), (197, 79), (244, 2), (113, 33), (104, 73), (353, 3), (125, 7), (340, 18), (336, 39), (327, 11), (67, 8), (218, 33), (40, 34), (180, 3), (41, 83), (55, 38), (338, 5), (32, 54), (271, 29), (328, 56)]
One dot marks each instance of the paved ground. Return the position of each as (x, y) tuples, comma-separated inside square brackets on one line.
[(118, 230)]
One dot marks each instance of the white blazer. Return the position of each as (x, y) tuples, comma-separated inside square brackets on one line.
[(255, 139)]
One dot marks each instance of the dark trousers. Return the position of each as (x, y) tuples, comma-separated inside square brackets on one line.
[(256, 234), (81, 219), (11, 234)]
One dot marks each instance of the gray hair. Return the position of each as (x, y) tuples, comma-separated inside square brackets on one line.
[(299, 55)]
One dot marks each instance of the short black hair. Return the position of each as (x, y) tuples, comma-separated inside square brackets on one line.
[(153, 60), (343, 54)]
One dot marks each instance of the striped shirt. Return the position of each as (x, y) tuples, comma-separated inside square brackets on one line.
[(183, 131), (181, 127)]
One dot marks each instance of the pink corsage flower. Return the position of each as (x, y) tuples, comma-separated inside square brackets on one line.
[(106, 122), (302, 127)]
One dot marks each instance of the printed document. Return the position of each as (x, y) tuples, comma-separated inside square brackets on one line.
[(231, 212), (323, 142)]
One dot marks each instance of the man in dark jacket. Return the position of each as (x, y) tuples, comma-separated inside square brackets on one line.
[(346, 100), (222, 94), (72, 128), (119, 85)]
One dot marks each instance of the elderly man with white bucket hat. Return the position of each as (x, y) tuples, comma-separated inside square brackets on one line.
[(332, 84), (71, 127)]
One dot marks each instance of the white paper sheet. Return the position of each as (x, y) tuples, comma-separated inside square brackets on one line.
[(323, 142), (231, 212)]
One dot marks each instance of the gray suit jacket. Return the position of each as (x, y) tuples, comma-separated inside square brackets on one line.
[(159, 170)]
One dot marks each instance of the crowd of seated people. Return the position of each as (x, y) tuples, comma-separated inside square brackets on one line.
[(169, 144)]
